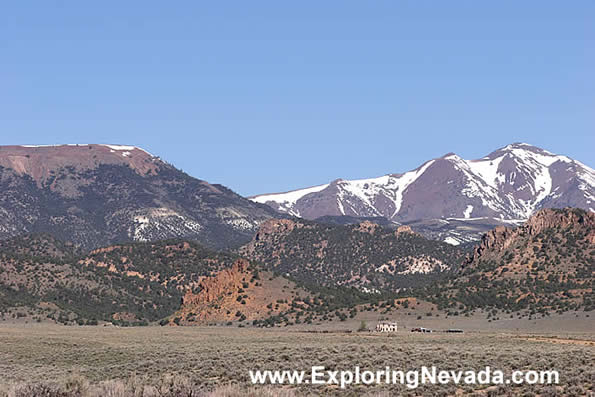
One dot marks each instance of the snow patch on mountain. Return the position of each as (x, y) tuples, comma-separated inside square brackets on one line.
[(156, 222), (288, 199), (452, 241), (487, 170), (113, 148), (365, 189), (476, 186), (121, 147), (126, 149)]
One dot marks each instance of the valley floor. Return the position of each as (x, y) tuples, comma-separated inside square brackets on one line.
[(569, 322), (213, 358)]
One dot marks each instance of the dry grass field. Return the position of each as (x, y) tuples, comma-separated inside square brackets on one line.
[(50, 360)]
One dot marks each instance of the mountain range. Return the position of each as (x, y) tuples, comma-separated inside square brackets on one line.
[(301, 271), (112, 233), (450, 198), (95, 195)]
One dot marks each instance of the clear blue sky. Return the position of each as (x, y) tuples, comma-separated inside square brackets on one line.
[(267, 96)]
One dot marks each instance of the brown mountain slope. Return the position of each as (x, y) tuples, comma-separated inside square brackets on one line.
[(247, 295), (548, 264), (176, 264), (44, 163)]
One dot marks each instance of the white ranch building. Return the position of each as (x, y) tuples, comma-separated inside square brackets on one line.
[(386, 326)]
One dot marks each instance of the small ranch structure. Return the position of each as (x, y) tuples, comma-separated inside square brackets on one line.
[(386, 326)]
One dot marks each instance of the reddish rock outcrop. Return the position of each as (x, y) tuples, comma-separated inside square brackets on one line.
[(274, 226), (404, 229), (238, 293), (226, 281), (367, 227), (501, 237), (269, 231)]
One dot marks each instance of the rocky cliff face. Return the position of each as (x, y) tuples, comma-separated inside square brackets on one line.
[(95, 195), (275, 227), (238, 294), (215, 287), (501, 238)]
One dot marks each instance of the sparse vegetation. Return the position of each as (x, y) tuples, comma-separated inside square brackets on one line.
[(127, 284), (367, 257), (204, 360)]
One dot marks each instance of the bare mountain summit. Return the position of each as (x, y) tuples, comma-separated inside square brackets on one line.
[(452, 198)]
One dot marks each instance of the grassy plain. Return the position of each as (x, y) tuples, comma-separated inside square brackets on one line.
[(219, 358)]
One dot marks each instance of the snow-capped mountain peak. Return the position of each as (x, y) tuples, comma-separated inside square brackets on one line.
[(508, 184)]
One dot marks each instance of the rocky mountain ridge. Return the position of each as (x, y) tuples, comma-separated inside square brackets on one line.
[(365, 255), (501, 238), (542, 266)]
